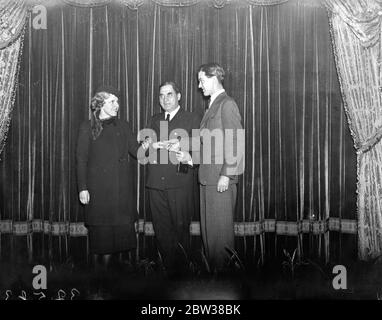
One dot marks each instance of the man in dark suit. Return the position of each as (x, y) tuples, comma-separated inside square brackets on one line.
[(221, 161), (171, 185)]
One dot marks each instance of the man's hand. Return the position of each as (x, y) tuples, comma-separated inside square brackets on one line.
[(173, 145), (223, 184), (183, 156), (84, 197)]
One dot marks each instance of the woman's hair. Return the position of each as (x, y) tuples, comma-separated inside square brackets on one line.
[(213, 69), (96, 105)]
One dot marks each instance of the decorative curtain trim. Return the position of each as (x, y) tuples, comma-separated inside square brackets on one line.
[(9, 70), (87, 3), (132, 4), (135, 4), (266, 2), (363, 18), (179, 3), (21, 228), (12, 19), (242, 229), (286, 228)]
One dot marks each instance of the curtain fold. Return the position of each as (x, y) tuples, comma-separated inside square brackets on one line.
[(356, 31), (299, 184)]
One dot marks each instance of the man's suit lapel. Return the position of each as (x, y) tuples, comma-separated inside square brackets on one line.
[(178, 115), (213, 109)]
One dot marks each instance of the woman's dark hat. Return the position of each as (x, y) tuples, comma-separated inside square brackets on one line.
[(108, 89)]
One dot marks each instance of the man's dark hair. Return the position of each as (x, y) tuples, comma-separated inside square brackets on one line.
[(172, 84), (213, 69)]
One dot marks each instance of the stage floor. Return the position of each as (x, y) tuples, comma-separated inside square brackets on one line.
[(145, 281)]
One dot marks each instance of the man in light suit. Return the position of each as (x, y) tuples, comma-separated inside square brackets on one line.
[(221, 135)]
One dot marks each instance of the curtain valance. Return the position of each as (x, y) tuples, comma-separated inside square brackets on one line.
[(13, 13), (135, 4)]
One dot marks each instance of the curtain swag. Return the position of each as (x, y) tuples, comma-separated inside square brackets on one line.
[(362, 17), (12, 19)]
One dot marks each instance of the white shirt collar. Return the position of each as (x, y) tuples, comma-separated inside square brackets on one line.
[(172, 113), (214, 96)]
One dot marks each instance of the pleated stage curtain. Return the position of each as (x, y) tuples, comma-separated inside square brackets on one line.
[(299, 186)]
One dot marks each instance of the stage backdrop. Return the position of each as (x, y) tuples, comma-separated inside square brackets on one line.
[(299, 186)]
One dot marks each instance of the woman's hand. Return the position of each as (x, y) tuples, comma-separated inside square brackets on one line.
[(84, 197), (146, 143)]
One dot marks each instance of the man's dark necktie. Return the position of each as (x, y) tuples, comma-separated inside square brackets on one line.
[(168, 117)]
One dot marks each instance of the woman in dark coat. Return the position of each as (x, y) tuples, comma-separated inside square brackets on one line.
[(104, 182)]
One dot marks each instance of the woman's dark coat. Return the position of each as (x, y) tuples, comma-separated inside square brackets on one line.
[(103, 168)]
